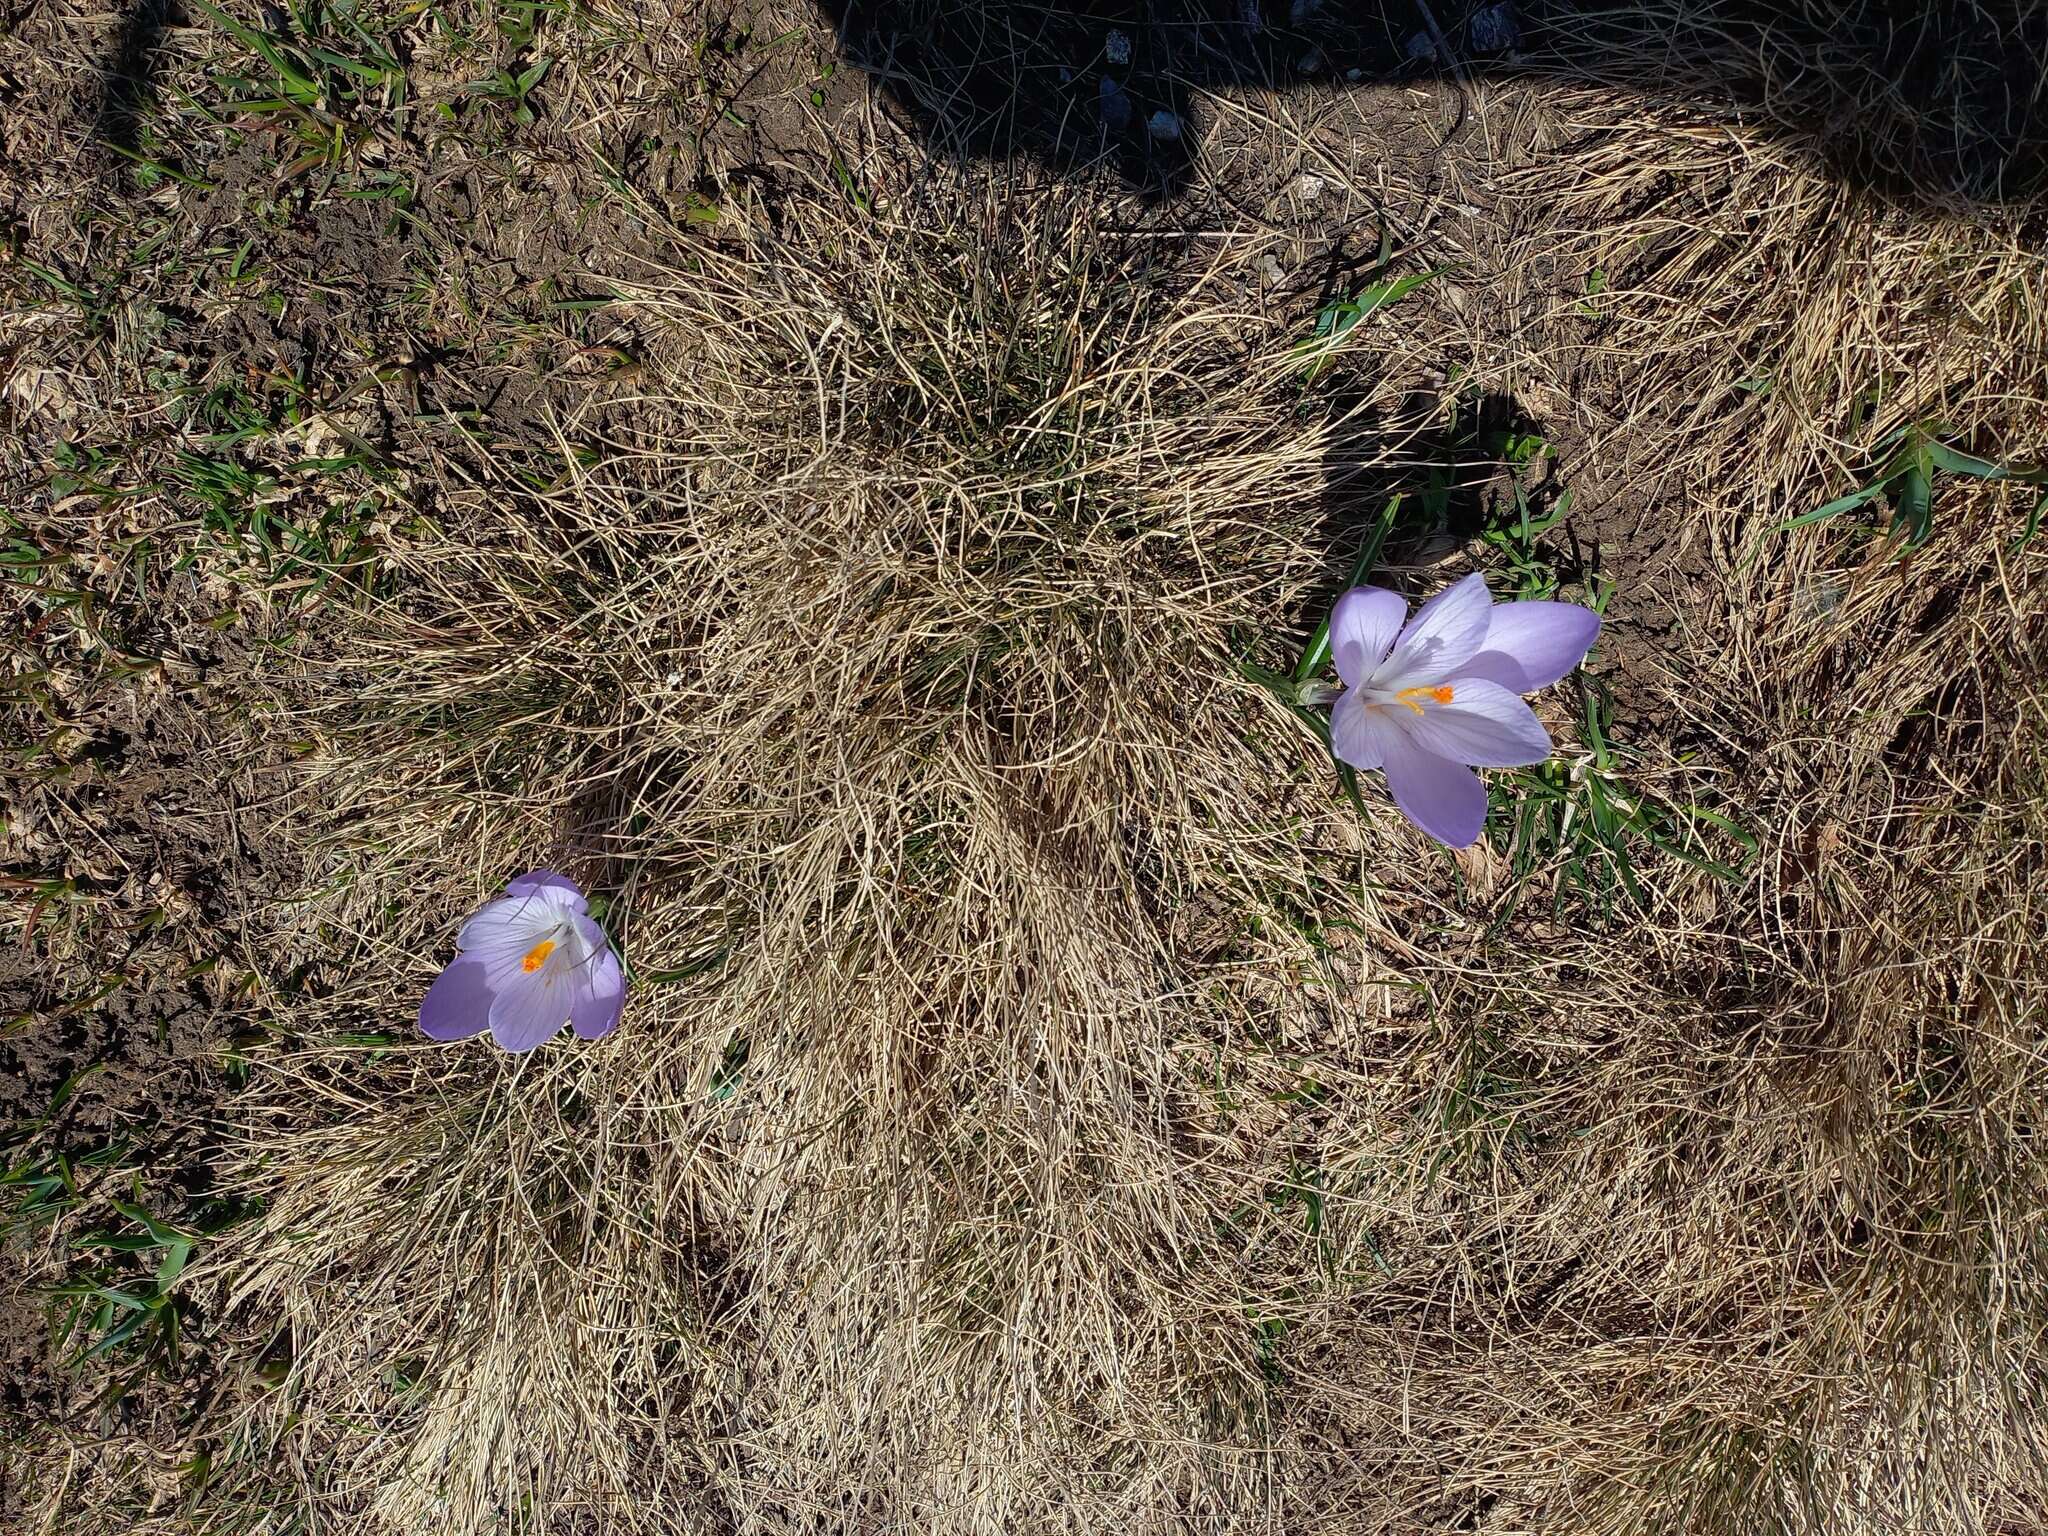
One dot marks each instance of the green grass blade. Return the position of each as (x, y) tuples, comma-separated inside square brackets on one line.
[(1837, 507)]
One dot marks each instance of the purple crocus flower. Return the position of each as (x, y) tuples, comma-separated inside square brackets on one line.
[(530, 962), (1430, 700)]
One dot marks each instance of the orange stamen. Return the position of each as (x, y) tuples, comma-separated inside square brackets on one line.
[(537, 956), (1412, 697)]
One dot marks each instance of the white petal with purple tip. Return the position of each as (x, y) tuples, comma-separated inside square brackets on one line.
[(1353, 732), (549, 886), (529, 1011), (596, 1013), (511, 925)]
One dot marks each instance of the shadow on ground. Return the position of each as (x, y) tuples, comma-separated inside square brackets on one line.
[(1935, 102)]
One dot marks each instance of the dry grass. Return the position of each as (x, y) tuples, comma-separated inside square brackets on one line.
[(1045, 1103)]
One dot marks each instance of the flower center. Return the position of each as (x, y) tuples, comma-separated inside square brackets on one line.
[(537, 956), (1413, 697)]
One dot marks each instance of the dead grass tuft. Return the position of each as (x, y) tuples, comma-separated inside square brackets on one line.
[(885, 675)]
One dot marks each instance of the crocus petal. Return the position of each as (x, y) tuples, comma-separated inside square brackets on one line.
[(458, 1004), (1531, 645), (595, 1012), (549, 886), (1440, 639), (531, 1007), (1362, 629), (509, 926), (1354, 736), (1477, 722), (1443, 798)]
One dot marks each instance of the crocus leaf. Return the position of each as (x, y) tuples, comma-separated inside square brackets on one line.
[(1958, 463), (1838, 506), (161, 1233), (1348, 777), (1338, 317), (1378, 296), (1915, 511)]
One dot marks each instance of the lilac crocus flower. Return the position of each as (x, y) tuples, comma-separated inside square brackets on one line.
[(1430, 700), (530, 962)]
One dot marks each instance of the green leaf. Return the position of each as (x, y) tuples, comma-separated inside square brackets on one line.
[(1378, 296), (175, 1259), (1915, 511), (1348, 777), (1335, 319), (1958, 463), (1838, 506), (725, 1079), (161, 1233), (2033, 524)]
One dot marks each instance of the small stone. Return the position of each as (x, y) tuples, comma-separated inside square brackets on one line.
[(1421, 48), (1309, 63), (1310, 186), (1164, 126), (1302, 10), (1494, 28), (1117, 48), (1354, 73)]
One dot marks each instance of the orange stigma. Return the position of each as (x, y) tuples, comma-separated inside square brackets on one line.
[(537, 956), (1412, 697)]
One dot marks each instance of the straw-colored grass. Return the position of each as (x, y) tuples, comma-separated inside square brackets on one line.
[(1045, 1103)]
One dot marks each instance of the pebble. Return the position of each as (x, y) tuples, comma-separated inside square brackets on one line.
[(1164, 126), (1117, 48)]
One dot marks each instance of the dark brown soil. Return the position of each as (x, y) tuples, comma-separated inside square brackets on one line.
[(139, 882)]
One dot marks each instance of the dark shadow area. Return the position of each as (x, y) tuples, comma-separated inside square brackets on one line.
[(1928, 102), (125, 82), (1475, 466)]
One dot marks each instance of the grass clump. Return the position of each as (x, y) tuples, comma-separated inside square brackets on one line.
[(877, 675)]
